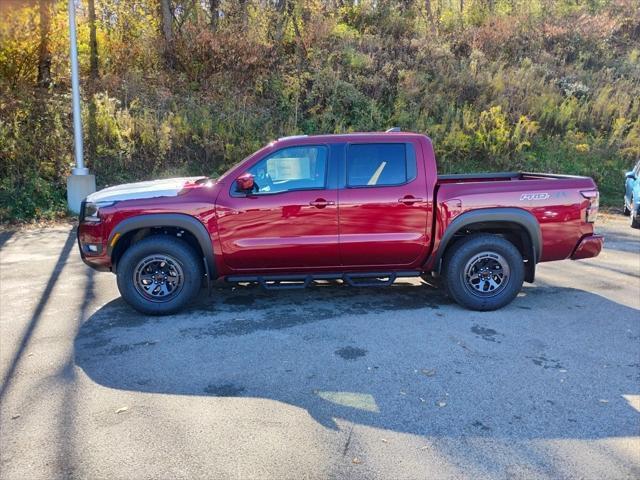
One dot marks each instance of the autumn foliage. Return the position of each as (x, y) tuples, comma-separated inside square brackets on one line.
[(499, 85)]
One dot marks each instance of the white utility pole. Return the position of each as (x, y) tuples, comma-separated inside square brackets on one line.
[(75, 92), (80, 183)]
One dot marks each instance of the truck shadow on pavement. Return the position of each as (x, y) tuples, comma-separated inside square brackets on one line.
[(402, 358)]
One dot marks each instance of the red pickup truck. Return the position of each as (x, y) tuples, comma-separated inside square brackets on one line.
[(364, 208)]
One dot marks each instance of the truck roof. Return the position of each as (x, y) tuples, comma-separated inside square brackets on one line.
[(347, 137)]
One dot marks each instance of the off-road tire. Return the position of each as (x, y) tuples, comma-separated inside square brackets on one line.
[(635, 216), (465, 256), (188, 268)]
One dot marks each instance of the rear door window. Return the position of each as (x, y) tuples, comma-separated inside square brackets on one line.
[(379, 164)]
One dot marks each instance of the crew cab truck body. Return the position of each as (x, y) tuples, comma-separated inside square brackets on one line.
[(364, 208)]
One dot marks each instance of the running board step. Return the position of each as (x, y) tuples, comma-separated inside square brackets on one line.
[(353, 279), (370, 279)]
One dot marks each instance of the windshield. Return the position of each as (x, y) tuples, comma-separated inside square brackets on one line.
[(245, 159)]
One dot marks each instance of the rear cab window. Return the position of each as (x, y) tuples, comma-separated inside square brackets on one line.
[(380, 164)]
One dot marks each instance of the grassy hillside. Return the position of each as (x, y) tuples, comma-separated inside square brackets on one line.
[(550, 86)]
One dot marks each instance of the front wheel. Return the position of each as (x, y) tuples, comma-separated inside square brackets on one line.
[(159, 275), (483, 272)]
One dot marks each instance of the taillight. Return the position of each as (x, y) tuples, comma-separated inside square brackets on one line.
[(594, 204)]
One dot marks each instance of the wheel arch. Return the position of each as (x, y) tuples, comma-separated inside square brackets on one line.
[(517, 225), (132, 229)]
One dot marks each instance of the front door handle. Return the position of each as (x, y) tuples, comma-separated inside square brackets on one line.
[(409, 200), (321, 203)]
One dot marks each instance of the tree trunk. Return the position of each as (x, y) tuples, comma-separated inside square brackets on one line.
[(167, 31), (214, 10), (438, 9), (281, 20), (44, 54), (93, 42), (427, 7), (430, 18), (244, 13)]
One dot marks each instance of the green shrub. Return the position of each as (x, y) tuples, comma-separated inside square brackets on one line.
[(31, 197)]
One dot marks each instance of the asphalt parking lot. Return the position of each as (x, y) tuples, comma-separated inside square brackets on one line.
[(329, 382)]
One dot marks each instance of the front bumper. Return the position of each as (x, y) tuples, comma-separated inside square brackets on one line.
[(589, 246), (89, 234)]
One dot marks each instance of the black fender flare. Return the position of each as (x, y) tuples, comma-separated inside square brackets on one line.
[(175, 220), (498, 215)]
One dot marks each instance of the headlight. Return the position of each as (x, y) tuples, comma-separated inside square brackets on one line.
[(92, 210)]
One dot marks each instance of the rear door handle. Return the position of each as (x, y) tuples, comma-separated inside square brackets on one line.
[(321, 203), (408, 200)]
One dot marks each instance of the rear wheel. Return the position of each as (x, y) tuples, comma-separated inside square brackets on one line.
[(635, 215), (159, 275), (483, 272)]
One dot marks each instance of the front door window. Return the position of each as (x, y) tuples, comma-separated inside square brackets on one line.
[(294, 168)]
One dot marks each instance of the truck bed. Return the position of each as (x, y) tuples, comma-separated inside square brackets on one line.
[(556, 201), (501, 177)]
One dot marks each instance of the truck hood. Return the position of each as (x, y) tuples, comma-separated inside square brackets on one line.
[(169, 187)]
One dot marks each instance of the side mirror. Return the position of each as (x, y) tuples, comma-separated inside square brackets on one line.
[(631, 175), (245, 183)]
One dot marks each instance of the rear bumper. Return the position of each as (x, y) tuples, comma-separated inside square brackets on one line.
[(588, 247)]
